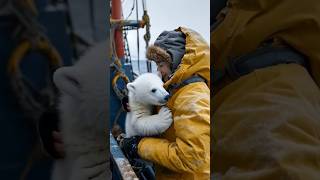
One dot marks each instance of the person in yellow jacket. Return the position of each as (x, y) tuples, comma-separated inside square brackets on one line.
[(266, 103), (183, 151)]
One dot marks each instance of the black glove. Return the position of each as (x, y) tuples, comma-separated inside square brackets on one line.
[(143, 169), (129, 146), (48, 123), (125, 103)]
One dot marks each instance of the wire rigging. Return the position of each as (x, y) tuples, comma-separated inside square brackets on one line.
[(138, 45), (133, 6)]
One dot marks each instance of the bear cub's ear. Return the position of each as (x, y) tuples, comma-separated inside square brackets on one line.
[(130, 87), (66, 79)]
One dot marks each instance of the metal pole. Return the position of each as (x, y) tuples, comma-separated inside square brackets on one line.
[(116, 14)]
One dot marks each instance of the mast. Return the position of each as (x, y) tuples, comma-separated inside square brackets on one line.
[(116, 14)]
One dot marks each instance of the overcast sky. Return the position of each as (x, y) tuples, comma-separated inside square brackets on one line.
[(168, 15)]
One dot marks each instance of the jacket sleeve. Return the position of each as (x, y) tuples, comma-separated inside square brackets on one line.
[(190, 152)]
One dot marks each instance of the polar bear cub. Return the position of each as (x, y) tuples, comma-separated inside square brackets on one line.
[(84, 116), (144, 93)]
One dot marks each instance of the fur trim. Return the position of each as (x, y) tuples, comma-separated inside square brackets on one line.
[(157, 54)]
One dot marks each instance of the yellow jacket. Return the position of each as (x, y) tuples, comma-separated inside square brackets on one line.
[(266, 124), (183, 151)]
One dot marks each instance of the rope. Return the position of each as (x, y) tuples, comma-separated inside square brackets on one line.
[(31, 5), (147, 36), (119, 74), (116, 129), (120, 93), (33, 102)]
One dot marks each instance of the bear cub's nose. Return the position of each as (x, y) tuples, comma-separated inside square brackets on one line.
[(166, 98)]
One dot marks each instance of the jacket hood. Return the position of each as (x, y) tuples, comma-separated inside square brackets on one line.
[(196, 59)]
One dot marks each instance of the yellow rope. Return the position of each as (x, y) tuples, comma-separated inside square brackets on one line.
[(118, 73), (117, 76), (32, 6), (42, 46)]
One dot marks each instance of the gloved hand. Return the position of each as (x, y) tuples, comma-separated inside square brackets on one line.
[(125, 103), (49, 133), (129, 146)]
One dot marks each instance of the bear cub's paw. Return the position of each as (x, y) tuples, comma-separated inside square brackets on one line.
[(166, 118)]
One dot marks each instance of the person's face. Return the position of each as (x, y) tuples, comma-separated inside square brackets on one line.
[(164, 69)]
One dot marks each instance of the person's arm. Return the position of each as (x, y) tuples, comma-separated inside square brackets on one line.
[(191, 150)]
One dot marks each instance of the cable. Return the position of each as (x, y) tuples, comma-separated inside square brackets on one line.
[(138, 45), (131, 10), (144, 5)]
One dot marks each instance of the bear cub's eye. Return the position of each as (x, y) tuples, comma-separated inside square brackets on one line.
[(153, 90)]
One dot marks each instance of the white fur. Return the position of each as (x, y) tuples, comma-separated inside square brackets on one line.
[(83, 118), (140, 120)]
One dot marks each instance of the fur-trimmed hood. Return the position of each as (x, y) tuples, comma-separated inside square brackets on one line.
[(195, 60), (157, 54), (168, 47)]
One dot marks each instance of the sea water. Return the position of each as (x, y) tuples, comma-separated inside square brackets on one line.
[(143, 66)]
